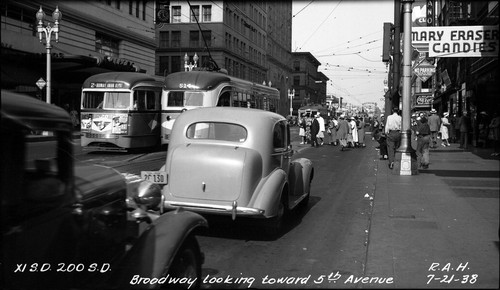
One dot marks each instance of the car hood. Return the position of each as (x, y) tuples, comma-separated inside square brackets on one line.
[(96, 182), (213, 172)]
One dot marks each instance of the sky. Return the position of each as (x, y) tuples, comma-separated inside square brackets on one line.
[(346, 38)]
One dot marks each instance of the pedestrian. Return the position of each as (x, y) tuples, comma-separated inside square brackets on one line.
[(321, 133), (314, 132), (302, 129), (465, 125), (435, 124), (423, 132), (445, 124), (332, 131), (494, 134), (483, 127), (456, 128), (375, 126), (361, 132), (352, 136), (342, 132), (393, 132)]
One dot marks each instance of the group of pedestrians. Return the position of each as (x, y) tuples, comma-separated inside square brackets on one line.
[(348, 132), (312, 129)]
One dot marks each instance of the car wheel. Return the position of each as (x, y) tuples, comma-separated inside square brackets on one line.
[(274, 226), (187, 264)]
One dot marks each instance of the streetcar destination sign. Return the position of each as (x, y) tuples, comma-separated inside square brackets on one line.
[(456, 41)]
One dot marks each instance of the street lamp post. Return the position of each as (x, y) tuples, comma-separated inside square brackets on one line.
[(47, 32), (290, 95), (189, 66)]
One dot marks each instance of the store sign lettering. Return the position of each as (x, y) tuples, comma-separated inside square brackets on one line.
[(456, 41)]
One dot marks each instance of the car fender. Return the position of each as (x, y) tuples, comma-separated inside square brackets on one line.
[(153, 253), (307, 172), (268, 193)]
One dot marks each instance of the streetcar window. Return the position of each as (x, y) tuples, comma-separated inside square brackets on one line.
[(146, 100), (175, 99), (117, 100), (217, 131), (193, 99), (180, 99), (224, 100), (92, 100)]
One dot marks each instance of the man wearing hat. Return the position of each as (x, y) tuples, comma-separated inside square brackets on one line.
[(435, 124)]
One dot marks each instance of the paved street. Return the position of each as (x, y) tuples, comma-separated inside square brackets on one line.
[(366, 227)]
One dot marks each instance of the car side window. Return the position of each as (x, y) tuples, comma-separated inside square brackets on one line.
[(279, 136)]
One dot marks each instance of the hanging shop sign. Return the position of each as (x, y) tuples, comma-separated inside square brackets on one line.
[(456, 41), (424, 71)]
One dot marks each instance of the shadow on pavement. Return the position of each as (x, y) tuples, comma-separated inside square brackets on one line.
[(462, 173)]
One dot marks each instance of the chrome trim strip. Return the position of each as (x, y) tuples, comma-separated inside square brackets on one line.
[(233, 209)]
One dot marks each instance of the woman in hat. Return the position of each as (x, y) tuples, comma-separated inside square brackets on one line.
[(445, 124), (353, 132), (342, 132)]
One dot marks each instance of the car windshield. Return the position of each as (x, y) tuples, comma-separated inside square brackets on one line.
[(217, 131)]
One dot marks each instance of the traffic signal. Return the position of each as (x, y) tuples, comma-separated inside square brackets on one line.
[(388, 43)]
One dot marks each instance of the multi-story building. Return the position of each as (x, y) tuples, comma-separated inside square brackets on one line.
[(251, 40), (94, 37), (468, 84), (308, 83)]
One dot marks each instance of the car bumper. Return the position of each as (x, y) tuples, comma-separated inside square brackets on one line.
[(234, 210)]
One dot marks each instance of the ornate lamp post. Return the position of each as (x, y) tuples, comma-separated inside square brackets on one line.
[(189, 66), (291, 93), (47, 32)]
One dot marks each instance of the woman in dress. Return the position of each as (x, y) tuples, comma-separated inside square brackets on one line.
[(302, 129), (342, 132), (361, 131), (445, 124)]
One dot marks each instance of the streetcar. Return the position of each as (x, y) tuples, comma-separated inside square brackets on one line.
[(120, 111), (201, 88)]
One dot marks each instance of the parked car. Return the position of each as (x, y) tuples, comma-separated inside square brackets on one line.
[(67, 225), (235, 162)]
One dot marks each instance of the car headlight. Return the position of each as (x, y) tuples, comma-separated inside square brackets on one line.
[(143, 193)]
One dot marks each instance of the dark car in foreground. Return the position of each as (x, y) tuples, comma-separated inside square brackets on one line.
[(70, 225)]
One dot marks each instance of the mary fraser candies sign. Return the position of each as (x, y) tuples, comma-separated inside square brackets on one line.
[(456, 41)]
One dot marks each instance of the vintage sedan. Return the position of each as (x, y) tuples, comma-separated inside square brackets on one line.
[(82, 226), (235, 162)]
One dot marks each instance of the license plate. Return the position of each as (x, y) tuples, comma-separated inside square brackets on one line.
[(159, 177)]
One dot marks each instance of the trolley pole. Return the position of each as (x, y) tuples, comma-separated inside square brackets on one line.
[(406, 159)]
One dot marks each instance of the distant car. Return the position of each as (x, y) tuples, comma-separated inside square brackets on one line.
[(235, 162), (82, 226)]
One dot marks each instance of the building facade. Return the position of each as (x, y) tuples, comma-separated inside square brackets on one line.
[(468, 84), (251, 40), (94, 37), (308, 83)]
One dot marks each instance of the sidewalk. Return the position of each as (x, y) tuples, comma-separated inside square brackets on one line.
[(439, 228)]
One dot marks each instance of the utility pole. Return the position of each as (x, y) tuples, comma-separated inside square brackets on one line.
[(397, 54), (406, 159)]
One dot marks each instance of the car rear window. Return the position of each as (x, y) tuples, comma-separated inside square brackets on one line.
[(217, 131)]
